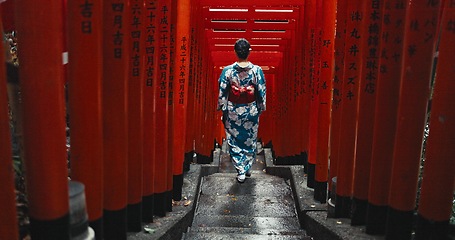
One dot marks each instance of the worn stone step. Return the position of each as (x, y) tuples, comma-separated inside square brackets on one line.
[(222, 184), (255, 231), (238, 236), (253, 206), (254, 173), (226, 165), (239, 221)]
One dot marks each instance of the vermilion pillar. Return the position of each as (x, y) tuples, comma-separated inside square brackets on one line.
[(7, 12), (438, 181), (85, 55), (39, 24), (161, 92), (295, 79), (135, 114), (181, 78), (277, 144), (310, 95), (366, 108), (189, 141), (328, 11), (299, 70), (352, 67), (148, 169), (171, 82), (286, 99), (308, 12), (115, 119), (419, 45), (335, 124), (387, 94), (8, 218)]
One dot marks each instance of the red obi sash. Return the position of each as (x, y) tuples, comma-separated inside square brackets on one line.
[(242, 95)]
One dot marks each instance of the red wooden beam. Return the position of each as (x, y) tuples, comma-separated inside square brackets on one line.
[(244, 13), (254, 42), (248, 34), (265, 3), (269, 48), (262, 59), (251, 24)]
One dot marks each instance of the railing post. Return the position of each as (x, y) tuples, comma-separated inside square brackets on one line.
[(40, 37), (150, 9), (85, 56), (420, 39), (387, 95), (115, 120), (8, 228), (438, 178)]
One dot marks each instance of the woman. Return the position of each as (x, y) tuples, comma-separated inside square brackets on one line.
[(242, 98)]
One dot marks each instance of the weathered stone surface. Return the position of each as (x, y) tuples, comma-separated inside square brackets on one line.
[(260, 208)]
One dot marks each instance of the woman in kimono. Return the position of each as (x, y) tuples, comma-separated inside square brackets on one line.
[(242, 98)]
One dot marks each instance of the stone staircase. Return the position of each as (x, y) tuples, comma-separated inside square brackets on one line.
[(260, 208)]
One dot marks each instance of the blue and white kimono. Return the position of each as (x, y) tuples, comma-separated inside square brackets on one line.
[(241, 121)]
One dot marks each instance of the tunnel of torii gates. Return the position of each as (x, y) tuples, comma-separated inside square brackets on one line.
[(348, 90)]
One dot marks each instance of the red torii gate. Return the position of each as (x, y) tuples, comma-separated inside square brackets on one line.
[(288, 49)]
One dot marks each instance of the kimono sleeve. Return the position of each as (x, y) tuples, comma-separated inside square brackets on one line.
[(223, 83), (262, 90)]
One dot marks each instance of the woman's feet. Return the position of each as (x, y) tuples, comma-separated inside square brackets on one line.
[(241, 178), (248, 173)]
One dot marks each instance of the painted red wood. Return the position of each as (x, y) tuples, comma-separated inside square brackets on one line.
[(419, 45), (161, 93), (115, 108), (387, 92), (438, 178), (351, 82), (335, 124), (85, 56), (369, 79), (327, 43), (8, 218), (150, 24), (41, 78), (181, 78)]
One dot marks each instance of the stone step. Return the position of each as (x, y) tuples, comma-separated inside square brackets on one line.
[(241, 221), (254, 231), (254, 173), (258, 185), (227, 166), (239, 236), (252, 206)]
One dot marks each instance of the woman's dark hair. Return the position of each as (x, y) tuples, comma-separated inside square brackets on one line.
[(242, 48)]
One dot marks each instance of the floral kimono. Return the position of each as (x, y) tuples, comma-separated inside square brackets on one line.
[(241, 120)]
